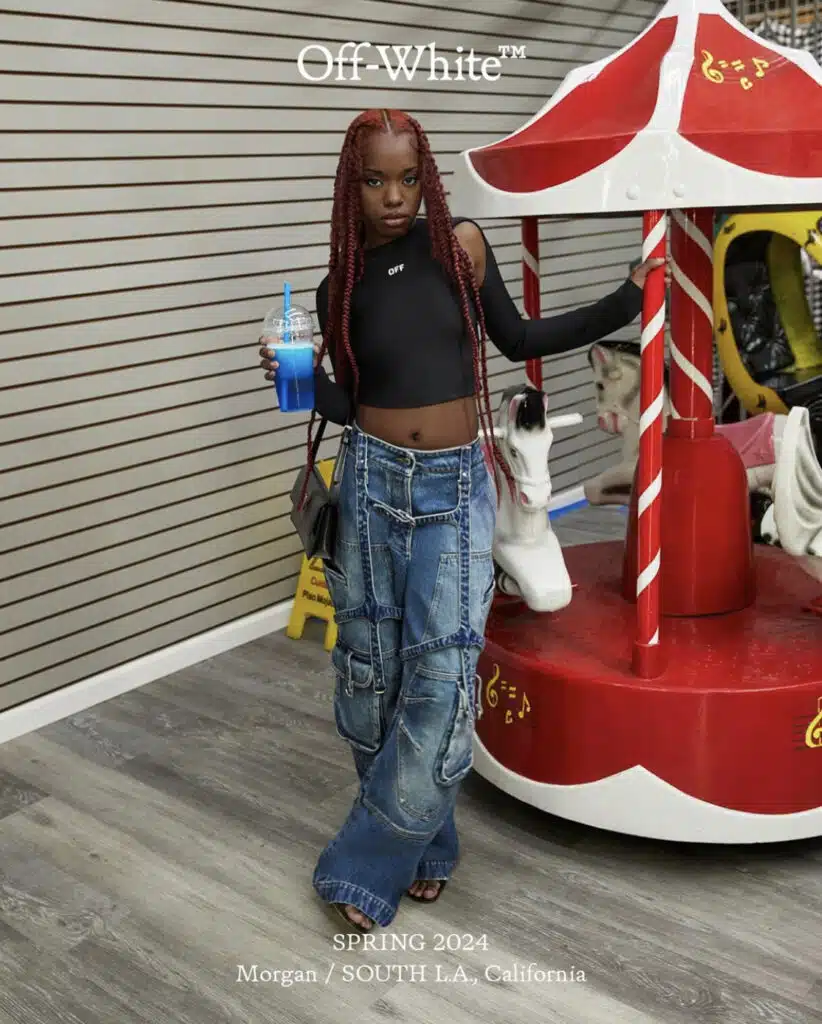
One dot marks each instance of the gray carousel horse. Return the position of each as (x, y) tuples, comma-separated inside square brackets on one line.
[(779, 454)]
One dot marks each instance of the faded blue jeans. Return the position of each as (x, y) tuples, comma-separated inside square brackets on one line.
[(412, 582)]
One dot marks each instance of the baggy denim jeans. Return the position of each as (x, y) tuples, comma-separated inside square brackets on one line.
[(412, 582)]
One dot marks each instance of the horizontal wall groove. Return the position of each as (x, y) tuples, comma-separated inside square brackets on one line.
[(159, 260), (516, 295), (299, 42), (394, 3), (159, 413), (143, 104), (157, 184), (149, 583), (179, 525), (144, 632), (143, 586), (65, 296), (250, 33), (130, 491), (449, 86), (158, 507)]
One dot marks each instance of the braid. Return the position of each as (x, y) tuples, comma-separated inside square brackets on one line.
[(346, 264)]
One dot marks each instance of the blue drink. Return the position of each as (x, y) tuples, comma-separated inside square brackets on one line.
[(288, 334), (294, 377)]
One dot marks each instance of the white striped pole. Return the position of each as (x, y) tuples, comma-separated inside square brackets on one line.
[(692, 321), (531, 286), (648, 655)]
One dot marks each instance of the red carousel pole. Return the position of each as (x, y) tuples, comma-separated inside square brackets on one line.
[(648, 656), (691, 394), (531, 286), (707, 525), (706, 546)]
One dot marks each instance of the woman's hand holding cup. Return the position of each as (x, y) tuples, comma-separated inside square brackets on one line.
[(268, 363)]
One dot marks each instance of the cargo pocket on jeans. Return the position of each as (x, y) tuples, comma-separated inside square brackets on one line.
[(482, 589), (357, 708), (434, 740), (337, 583), (457, 755), (490, 590)]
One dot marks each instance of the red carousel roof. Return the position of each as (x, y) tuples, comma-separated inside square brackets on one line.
[(696, 111), (769, 120)]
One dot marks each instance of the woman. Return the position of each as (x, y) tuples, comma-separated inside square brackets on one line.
[(403, 312)]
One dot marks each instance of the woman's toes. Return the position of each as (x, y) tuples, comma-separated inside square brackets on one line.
[(358, 917), (424, 890)]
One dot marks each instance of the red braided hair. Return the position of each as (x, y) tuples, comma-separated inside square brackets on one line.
[(346, 260)]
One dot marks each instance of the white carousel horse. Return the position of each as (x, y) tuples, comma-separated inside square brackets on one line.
[(778, 452), (526, 550), (797, 494)]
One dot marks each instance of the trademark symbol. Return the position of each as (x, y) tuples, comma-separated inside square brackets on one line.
[(508, 50)]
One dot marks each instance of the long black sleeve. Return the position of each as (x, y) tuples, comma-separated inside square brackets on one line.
[(330, 400), (520, 339)]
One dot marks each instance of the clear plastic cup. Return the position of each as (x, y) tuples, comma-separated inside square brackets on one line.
[(289, 335)]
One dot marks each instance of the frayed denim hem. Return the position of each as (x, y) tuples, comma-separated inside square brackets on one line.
[(331, 890), (435, 870)]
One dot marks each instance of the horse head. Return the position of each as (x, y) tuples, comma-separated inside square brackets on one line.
[(616, 367), (525, 434), (617, 372)]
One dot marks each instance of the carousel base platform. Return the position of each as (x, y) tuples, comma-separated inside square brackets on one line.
[(724, 747)]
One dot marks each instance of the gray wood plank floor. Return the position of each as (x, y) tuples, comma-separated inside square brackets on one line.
[(156, 842)]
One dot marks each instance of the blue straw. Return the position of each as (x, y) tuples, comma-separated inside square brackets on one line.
[(286, 309)]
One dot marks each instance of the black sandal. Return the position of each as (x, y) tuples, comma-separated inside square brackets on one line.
[(442, 882), (339, 910)]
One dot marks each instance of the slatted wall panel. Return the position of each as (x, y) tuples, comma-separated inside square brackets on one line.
[(164, 169)]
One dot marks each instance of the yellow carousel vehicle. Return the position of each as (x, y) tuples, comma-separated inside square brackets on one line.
[(768, 342)]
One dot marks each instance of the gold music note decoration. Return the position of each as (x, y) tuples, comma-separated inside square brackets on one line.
[(497, 688), (717, 76), (491, 695), (813, 734), (711, 73)]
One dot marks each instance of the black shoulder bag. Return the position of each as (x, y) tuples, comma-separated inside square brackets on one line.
[(316, 521)]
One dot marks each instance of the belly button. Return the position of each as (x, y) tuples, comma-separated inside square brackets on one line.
[(415, 435)]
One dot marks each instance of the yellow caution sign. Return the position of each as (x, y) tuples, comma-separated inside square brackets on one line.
[(313, 600)]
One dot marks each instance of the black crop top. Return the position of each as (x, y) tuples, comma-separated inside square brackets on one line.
[(409, 337)]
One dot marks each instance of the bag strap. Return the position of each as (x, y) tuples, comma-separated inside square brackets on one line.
[(318, 439), (321, 430)]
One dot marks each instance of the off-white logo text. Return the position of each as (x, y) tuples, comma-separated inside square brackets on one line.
[(396, 270), (315, 62)]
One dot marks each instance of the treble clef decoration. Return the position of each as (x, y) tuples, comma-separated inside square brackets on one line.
[(491, 695), (712, 74), (813, 734)]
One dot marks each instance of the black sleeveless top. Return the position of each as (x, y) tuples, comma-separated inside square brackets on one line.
[(408, 334)]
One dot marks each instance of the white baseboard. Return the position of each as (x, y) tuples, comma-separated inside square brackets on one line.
[(53, 707)]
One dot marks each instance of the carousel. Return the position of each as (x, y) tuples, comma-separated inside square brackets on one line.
[(670, 685)]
